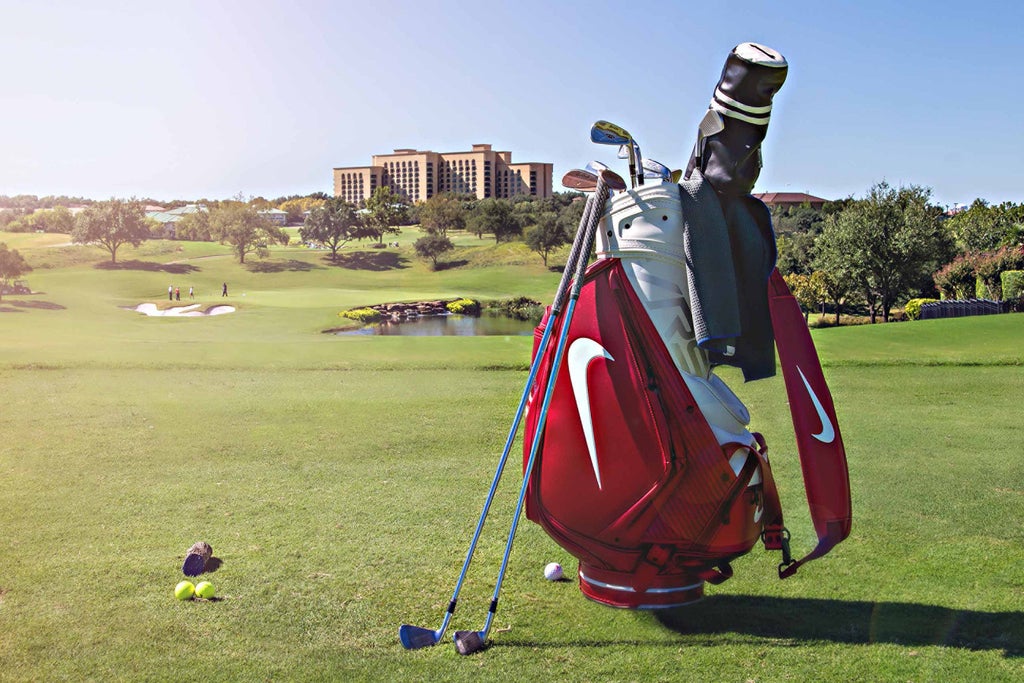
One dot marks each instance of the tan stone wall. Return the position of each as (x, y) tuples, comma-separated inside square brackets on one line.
[(355, 184), (419, 175)]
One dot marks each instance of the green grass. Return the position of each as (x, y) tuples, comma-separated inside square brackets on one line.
[(339, 480)]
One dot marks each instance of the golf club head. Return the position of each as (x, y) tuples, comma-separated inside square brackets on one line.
[(613, 180), (623, 152), (415, 637), (468, 642), (595, 167), (579, 179), (585, 181), (606, 133), (654, 169)]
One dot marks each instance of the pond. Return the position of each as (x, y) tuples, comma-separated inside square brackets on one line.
[(449, 325)]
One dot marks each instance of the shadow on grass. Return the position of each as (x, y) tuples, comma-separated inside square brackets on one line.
[(281, 266), (803, 620), (151, 266), (855, 622), (44, 305), (448, 265), (370, 260)]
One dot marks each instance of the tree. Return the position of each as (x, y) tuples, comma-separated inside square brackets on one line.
[(956, 279), (888, 244), (332, 224), (194, 226), (57, 219), (795, 253), (495, 216), (241, 226), (441, 213), (112, 224), (12, 265), (546, 236), (805, 291), (431, 246), (986, 228), (296, 208), (386, 210)]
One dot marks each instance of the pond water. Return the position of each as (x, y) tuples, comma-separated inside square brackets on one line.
[(449, 325)]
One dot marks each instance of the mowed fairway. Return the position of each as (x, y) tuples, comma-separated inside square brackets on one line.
[(339, 480)]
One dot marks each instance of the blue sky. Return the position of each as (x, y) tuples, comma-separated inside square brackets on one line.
[(189, 100)]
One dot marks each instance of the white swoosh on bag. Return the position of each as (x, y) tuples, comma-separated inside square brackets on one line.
[(828, 432), (581, 352)]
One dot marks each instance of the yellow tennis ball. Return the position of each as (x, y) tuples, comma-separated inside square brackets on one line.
[(184, 590), (205, 590)]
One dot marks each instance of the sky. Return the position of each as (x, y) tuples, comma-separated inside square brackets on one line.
[(190, 100)]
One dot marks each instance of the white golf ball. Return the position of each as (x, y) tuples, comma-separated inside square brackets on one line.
[(553, 571)]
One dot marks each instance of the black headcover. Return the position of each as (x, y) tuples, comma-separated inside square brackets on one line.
[(728, 149)]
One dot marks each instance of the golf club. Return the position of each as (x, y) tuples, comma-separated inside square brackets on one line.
[(647, 171), (654, 169), (415, 637), (468, 642), (586, 181), (607, 133)]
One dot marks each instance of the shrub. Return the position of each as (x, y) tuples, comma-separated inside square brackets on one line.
[(463, 307), (519, 308), (363, 315), (913, 308), (991, 265), (956, 280), (1013, 284)]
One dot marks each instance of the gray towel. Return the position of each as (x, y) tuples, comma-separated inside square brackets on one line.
[(710, 272), (730, 253)]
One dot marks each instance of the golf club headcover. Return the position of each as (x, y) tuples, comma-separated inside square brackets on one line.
[(196, 558), (728, 148)]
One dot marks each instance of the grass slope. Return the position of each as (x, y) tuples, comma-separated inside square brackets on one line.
[(339, 479)]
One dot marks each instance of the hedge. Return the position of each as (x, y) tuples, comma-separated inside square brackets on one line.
[(1013, 284), (913, 308)]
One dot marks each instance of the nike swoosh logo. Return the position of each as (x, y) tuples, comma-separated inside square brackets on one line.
[(581, 352), (828, 432), (758, 511)]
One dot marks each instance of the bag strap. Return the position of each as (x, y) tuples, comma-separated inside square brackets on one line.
[(819, 443), (774, 535)]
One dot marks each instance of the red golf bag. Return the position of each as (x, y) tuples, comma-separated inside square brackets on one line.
[(646, 471)]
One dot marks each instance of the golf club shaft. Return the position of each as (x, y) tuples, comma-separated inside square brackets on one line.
[(600, 198), (556, 306)]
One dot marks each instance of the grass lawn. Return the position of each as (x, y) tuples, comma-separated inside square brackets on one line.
[(339, 480)]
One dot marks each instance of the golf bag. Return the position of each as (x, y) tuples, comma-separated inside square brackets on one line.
[(647, 471)]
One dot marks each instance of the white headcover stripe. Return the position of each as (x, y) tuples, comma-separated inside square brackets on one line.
[(725, 111), (722, 97)]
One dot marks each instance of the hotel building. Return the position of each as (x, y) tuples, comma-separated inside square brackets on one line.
[(417, 176)]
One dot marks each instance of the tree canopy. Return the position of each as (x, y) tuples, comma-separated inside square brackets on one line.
[(985, 228), (332, 224), (546, 235), (497, 217), (112, 224), (387, 210), (12, 265), (241, 226), (888, 243), (431, 246), (441, 213)]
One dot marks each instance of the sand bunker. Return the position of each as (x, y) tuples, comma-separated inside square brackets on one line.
[(183, 311)]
